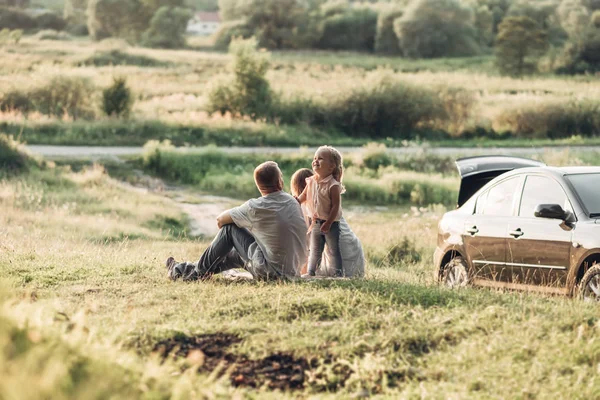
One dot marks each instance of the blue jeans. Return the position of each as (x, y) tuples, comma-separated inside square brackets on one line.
[(318, 240), (230, 249)]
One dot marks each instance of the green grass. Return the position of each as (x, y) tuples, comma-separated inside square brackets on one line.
[(88, 319), (216, 171), (369, 62), (171, 86), (118, 57), (137, 133)]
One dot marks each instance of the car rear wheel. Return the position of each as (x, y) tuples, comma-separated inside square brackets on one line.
[(589, 287), (454, 274)]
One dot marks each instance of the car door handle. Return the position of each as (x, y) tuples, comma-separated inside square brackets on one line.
[(516, 233), (473, 230)]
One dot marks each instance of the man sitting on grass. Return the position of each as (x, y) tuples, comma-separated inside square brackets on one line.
[(266, 236)]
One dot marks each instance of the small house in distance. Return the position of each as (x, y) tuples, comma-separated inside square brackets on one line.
[(204, 23)]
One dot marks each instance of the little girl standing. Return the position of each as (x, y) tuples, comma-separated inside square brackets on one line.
[(324, 203)]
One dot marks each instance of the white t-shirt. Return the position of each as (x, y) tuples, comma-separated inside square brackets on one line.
[(277, 224)]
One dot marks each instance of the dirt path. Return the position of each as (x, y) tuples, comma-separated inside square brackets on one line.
[(201, 209), (203, 212)]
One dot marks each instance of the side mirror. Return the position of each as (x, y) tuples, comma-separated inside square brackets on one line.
[(552, 211)]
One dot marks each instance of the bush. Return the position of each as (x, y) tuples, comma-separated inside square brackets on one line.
[(375, 155), (437, 28), (77, 29), (249, 93), (63, 95), (207, 169), (49, 34), (118, 57), (393, 186), (50, 20), (12, 18), (7, 36), (117, 99), (553, 120), (383, 108), (355, 29), (386, 41), (167, 28), (16, 100), (459, 105), (13, 159)]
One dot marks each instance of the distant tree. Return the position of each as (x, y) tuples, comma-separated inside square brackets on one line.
[(595, 20), (437, 28), (167, 28), (274, 22), (519, 43), (230, 10), (72, 8), (229, 30), (484, 23), (50, 20), (127, 19), (386, 41), (574, 16), (203, 5), (581, 54), (115, 18), (333, 7), (12, 18), (354, 29), (14, 3), (544, 13), (498, 8)]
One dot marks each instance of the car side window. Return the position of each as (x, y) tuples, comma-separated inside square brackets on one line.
[(480, 206), (500, 198), (541, 190)]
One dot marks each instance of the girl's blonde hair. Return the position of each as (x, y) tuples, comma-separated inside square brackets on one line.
[(298, 182), (338, 161)]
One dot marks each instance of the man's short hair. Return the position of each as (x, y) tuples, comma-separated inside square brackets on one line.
[(268, 176)]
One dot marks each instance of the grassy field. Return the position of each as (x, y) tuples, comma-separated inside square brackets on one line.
[(171, 87), (88, 313)]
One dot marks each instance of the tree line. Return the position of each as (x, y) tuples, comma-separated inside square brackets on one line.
[(555, 35), (567, 32)]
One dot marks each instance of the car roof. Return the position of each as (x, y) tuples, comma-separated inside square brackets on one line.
[(559, 171)]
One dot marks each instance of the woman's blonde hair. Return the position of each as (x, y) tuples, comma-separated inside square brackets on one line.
[(298, 181), (338, 161)]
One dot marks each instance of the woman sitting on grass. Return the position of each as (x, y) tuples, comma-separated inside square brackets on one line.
[(353, 259)]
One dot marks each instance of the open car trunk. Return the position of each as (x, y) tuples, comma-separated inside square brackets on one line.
[(475, 172)]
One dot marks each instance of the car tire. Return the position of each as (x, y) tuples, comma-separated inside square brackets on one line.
[(589, 287), (454, 275)]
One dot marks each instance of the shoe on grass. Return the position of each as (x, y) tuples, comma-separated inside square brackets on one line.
[(173, 273)]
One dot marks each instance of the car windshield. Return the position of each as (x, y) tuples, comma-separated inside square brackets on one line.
[(588, 188)]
